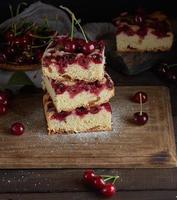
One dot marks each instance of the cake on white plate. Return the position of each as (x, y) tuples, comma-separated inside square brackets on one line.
[(68, 95), (97, 118), (74, 59), (142, 32)]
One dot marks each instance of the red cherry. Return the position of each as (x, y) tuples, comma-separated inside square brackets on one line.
[(88, 47), (70, 46), (2, 58), (10, 51), (3, 98), (79, 44), (3, 109), (98, 182), (89, 176), (172, 75), (108, 190), (17, 128), (140, 118), (20, 59), (139, 19), (9, 36), (163, 68), (136, 97)]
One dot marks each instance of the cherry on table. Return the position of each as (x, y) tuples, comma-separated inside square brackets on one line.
[(89, 176), (108, 190), (98, 182), (140, 118), (163, 68), (138, 95), (2, 58), (3, 109), (17, 128), (3, 98), (171, 74)]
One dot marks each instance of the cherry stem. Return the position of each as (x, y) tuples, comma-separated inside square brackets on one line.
[(72, 28), (107, 178), (77, 22), (12, 15), (19, 7), (43, 45), (115, 179), (141, 105), (46, 21), (41, 37)]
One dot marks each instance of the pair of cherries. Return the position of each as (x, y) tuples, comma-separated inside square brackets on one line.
[(16, 128), (140, 118), (100, 182)]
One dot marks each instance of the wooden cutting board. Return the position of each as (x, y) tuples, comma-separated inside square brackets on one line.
[(128, 145)]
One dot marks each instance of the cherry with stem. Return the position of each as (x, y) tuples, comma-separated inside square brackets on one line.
[(76, 21), (140, 118)]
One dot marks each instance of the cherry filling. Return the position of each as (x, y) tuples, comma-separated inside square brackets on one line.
[(71, 49), (80, 86), (61, 116), (161, 28), (107, 106), (81, 112)]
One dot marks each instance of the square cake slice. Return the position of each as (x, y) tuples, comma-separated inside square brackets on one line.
[(74, 59), (68, 95), (79, 120), (142, 32)]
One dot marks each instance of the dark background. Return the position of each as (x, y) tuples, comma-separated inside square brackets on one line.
[(97, 10)]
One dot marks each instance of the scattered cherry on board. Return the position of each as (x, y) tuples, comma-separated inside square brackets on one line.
[(101, 183), (136, 97), (140, 118), (17, 128)]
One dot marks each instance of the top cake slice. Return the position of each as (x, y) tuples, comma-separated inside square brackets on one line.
[(142, 32), (74, 59)]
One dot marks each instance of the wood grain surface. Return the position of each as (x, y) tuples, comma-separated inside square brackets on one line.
[(128, 145), (136, 195), (16, 67)]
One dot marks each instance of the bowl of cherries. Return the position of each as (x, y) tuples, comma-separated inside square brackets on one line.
[(22, 46)]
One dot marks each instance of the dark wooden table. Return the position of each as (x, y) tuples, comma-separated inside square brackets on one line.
[(56, 184)]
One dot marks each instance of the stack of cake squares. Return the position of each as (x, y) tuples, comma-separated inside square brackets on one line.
[(77, 87)]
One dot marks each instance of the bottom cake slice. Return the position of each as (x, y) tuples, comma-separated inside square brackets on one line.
[(79, 120)]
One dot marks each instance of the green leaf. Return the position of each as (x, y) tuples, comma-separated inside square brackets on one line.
[(19, 78)]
